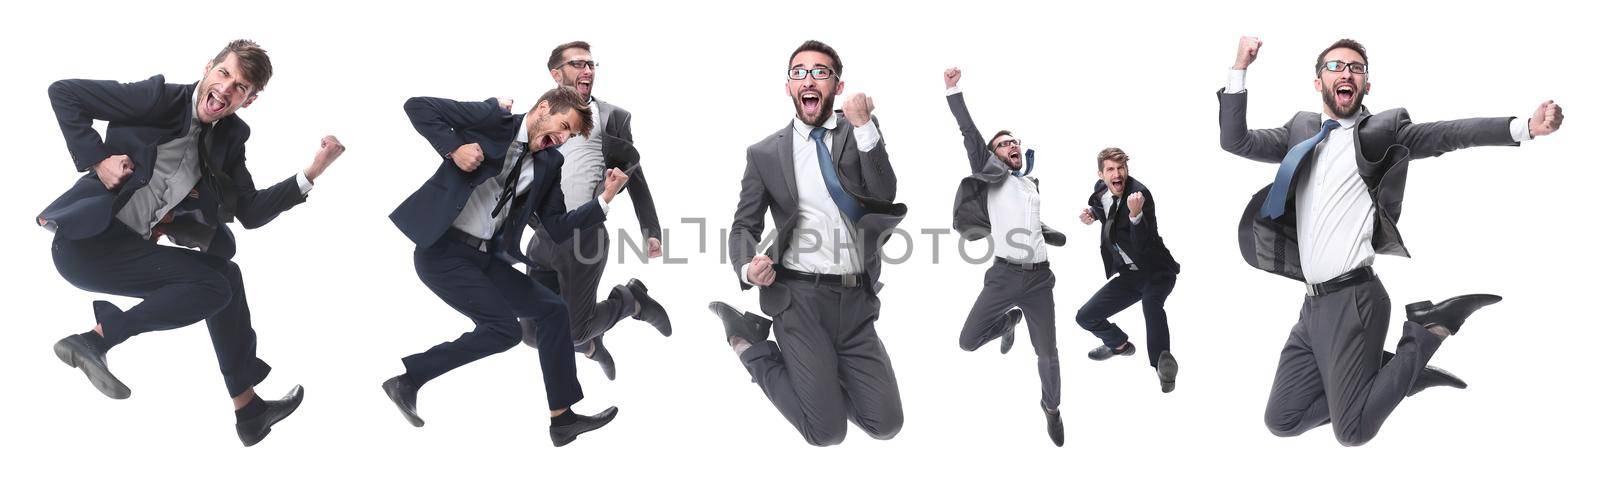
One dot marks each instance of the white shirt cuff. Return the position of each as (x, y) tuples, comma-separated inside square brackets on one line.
[(744, 274), (604, 207), (867, 136), (305, 183), (1520, 131), (952, 91), (1135, 219), (1235, 82)]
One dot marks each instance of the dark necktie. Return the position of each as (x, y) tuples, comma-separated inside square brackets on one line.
[(510, 188), (1111, 217), (830, 176), (1278, 197)]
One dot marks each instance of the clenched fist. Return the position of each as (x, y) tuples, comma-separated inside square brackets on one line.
[(952, 76), (615, 179), (330, 150), (1249, 47), (1545, 120), (504, 102), (760, 272), (113, 170), (1135, 205), (1087, 217), (858, 109), (467, 157)]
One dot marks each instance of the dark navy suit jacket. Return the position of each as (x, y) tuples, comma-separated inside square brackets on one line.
[(428, 213), (140, 117)]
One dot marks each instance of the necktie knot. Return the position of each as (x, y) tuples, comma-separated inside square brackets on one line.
[(1329, 125), (817, 133)]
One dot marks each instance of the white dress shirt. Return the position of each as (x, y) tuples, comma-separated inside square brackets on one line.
[(1014, 220), (1333, 209), (475, 218), (822, 231), (583, 169)]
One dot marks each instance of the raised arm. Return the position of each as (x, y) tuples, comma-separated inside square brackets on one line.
[(254, 207), (1265, 145), (1430, 139), (437, 120), (978, 153)]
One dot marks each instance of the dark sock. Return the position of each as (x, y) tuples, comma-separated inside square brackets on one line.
[(251, 409), (565, 418), (96, 341)]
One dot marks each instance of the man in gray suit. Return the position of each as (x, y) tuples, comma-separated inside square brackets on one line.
[(827, 180), (1331, 208), (1000, 198), (573, 268)]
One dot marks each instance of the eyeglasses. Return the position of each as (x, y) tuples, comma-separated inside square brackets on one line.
[(819, 73), (1339, 66), (582, 64), (1008, 143)]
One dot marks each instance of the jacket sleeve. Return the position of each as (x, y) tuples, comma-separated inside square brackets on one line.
[(749, 218), (254, 207), (644, 205), (877, 175), (560, 223), (1429, 139), (79, 102), (1143, 232), (978, 153), (1264, 145), (438, 120)]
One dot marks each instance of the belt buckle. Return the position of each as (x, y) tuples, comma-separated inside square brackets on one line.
[(1313, 290), (848, 280)]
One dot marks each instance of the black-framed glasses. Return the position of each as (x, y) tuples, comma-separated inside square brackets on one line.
[(818, 73), (1340, 66), (582, 64), (1008, 143)]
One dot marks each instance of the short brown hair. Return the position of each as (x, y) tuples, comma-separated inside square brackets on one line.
[(818, 46), (563, 98), (253, 61), (1110, 154), (997, 135), (555, 55), (1342, 44)]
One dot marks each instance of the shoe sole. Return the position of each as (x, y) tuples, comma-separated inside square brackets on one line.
[(1169, 380), (666, 326), (98, 375)]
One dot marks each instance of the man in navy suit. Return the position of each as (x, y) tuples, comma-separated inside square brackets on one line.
[(171, 163), (500, 173)]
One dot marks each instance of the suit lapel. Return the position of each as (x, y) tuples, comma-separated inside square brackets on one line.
[(785, 158), (837, 151)]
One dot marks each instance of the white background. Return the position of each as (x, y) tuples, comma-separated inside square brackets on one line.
[(336, 301)]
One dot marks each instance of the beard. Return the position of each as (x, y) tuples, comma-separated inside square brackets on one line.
[(1332, 102), (824, 109)]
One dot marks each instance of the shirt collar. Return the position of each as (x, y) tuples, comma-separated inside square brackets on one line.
[(805, 129), (1346, 123), (522, 130)]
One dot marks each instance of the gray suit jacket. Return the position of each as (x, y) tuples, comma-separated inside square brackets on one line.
[(1385, 144), (971, 213), (769, 183)]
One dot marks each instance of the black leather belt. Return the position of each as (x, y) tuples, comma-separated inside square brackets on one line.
[(1024, 266), (1341, 282), (848, 280), (476, 243)]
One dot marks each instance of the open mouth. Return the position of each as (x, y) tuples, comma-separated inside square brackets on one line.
[(213, 103), (585, 85), (811, 102), (1116, 185), (546, 141), (1344, 93)]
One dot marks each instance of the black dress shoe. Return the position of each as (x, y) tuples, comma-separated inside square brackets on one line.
[(1449, 313), (565, 433), (252, 430), (1052, 422), (751, 328), (1430, 377), (404, 394), (1102, 353), (1167, 370), (603, 357), (77, 351), (1009, 338), (650, 311)]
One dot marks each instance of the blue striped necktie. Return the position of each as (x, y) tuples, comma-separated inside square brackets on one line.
[(830, 176), (1278, 196)]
